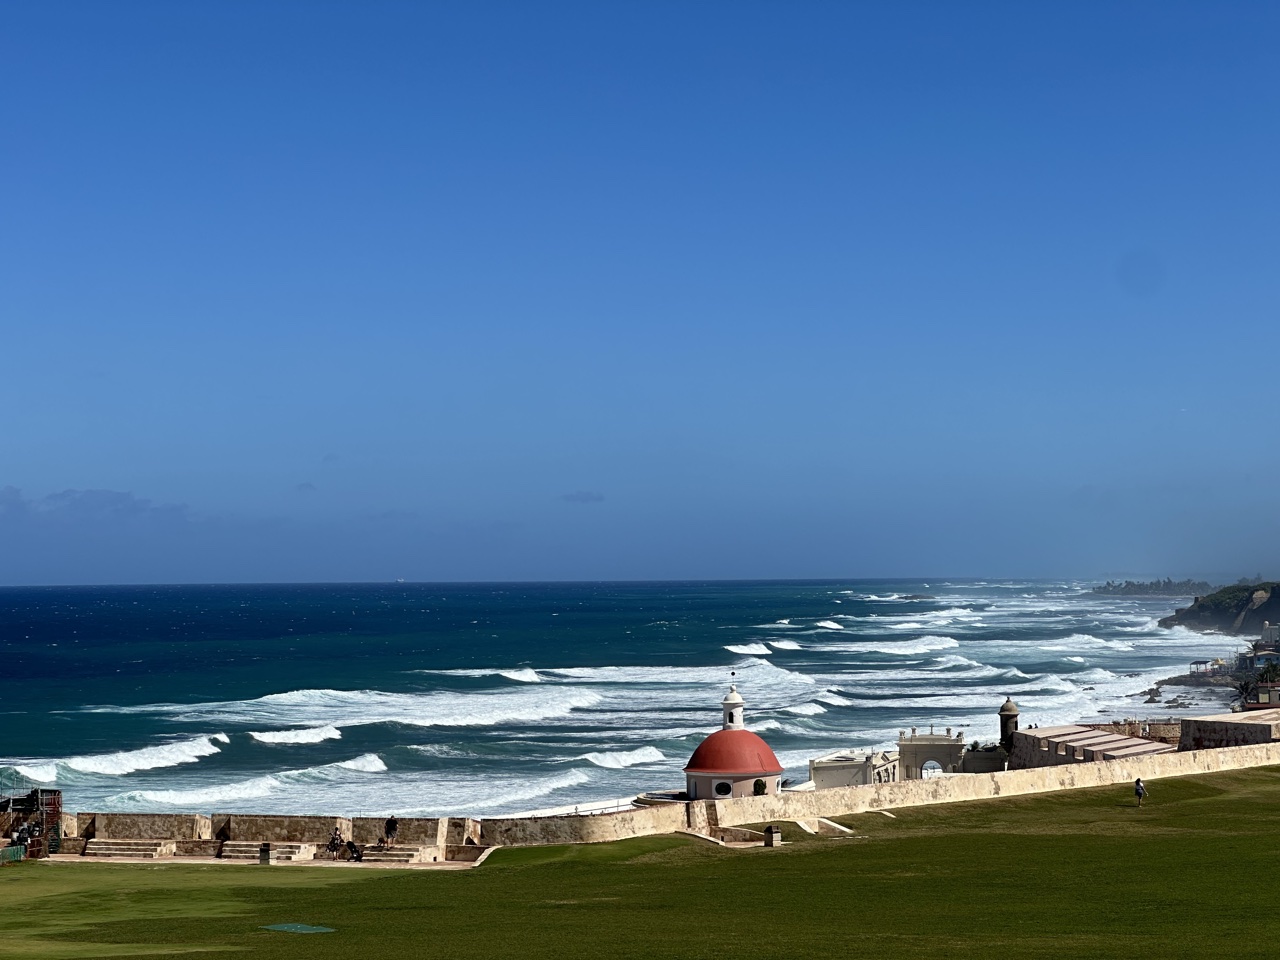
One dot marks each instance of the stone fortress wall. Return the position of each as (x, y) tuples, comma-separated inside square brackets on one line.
[(707, 817)]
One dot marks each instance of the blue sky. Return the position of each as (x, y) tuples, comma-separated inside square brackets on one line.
[(340, 291)]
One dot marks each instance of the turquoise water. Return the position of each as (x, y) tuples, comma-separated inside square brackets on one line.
[(491, 698)]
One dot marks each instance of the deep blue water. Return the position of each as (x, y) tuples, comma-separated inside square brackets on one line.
[(488, 698)]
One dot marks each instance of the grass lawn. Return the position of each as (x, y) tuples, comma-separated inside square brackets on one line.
[(1079, 874)]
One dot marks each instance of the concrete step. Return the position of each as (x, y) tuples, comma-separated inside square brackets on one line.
[(252, 850), (393, 855), (132, 849)]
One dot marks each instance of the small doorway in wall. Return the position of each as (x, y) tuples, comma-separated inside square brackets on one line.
[(931, 768)]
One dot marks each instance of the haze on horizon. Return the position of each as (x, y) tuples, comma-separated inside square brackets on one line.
[(500, 291)]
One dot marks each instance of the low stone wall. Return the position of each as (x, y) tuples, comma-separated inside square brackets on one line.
[(983, 786), (597, 828), (240, 826), (197, 848), (143, 826), (414, 831), (1232, 730)]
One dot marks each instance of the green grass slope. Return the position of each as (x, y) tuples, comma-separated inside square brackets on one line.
[(1080, 874)]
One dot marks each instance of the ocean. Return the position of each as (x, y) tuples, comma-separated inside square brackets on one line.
[(485, 699)]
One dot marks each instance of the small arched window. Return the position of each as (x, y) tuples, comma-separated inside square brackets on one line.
[(760, 788)]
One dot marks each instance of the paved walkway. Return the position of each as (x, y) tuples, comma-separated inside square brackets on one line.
[(217, 861)]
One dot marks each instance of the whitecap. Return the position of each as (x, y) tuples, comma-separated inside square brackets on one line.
[(308, 735), (834, 699), (749, 649), (39, 772), (902, 648), (807, 709), (617, 759), (366, 763), (523, 676), (124, 762), (348, 708), (784, 644), (285, 782), (829, 625)]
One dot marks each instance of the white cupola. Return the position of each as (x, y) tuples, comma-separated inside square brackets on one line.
[(732, 704)]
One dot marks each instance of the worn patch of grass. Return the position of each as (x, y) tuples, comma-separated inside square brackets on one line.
[(1077, 874)]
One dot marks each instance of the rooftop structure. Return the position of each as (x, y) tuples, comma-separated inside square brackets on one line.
[(733, 761), (853, 768), (1050, 746)]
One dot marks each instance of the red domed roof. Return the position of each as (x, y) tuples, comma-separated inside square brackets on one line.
[(734, 752)]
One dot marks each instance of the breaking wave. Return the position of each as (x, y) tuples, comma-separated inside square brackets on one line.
[(349, 708), (749, 649), (309, 735), (618, 759), (124, 762), (807, 709)]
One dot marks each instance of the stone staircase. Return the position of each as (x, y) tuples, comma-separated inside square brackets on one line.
[(398, 854), (131, 849), (250, 851)]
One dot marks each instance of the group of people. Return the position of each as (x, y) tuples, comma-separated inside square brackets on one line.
[(337, 843), (25, 833)]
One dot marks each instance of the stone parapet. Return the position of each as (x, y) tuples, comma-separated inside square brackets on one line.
[(414, 831), (143, 826), (278, 829), (596, 828), (841, 801)]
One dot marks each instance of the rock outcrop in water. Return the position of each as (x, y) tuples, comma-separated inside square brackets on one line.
[(1239, 609)]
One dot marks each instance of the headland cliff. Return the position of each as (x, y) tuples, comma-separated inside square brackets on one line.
[(1239, 609)]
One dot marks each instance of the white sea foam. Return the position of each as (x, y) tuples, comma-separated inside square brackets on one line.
[(348, 708), (1078, 641), (784, 645), (829, 625), (123, 762), (519, 674), (367, 763), (256, 787), (39, 772), (308, 735), (902, 648), (806, 709), (834, 699), (618, 759), (523, 676), (444, 750), (749, 649)]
